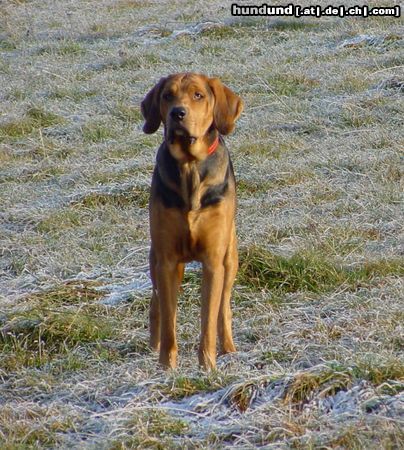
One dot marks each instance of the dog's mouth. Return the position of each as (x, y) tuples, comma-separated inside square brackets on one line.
[(182, 135)]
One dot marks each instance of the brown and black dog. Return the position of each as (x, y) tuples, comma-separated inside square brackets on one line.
[(192, 208)]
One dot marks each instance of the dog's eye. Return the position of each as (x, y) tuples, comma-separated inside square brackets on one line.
[(168, 96), (198, 96)]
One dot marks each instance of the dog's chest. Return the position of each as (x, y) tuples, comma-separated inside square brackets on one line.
[(190, 242), (190, 186)]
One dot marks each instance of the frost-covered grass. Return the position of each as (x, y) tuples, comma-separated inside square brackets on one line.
[(318, 303)]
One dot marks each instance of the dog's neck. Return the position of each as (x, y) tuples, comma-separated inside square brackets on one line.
[(189, 165), (191, 178), (190, 185), (185, 150)]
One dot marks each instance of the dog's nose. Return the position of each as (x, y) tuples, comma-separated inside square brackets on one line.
[(178, 113)]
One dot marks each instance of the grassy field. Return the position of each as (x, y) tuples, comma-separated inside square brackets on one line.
[(318, 303)]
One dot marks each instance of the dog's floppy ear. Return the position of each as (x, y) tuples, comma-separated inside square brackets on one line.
[(150, 108), (228, 106)]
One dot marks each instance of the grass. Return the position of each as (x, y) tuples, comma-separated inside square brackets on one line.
[(380, 371), (358, 436), (136, 196), (311, 271), (57, 323), (93, 132), (292, 25), (157, 429), (60, 221), (76, 94), (317, 305), (43, 336), (273, 148), (34, 118), (352, 84), (181, 386), (322, 382), (127, 113), (247, 188), (290, 84), (68, 48), (357, 118), (7, 45), (304, 385), (69, 293)]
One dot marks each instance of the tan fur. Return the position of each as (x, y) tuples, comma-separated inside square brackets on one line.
[(192, 232)]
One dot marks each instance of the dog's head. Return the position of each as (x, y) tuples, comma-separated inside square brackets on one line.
[(189, 105)]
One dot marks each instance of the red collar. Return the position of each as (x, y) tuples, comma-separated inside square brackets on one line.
[(214, 146)]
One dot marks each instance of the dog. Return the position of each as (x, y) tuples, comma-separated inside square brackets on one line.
[(192, 208)]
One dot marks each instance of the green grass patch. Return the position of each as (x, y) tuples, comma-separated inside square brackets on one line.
[(277, 355), (324, 195), (150, 141), (34, 118), (128, 4), (94, 132), (351, 84), (272, 148), (138, 195), (128, 114), (127, 151), (17, 128), (59, 320), (152, 429), (130, 62), (248, 188), (5, 67), (305, 384), (7, 45), (23, 434), (356, 118), (290, 84), (292, 25), (41, 335), (310, 271), (182, 386), (49, 149), (67, 48), (34, 427), (223, 32), (387, 62), (382, 373), (16, 94), (212, 50), (379, 434), (75, 94), (379, 370), (59, 221), (160, 423), (99, 28)]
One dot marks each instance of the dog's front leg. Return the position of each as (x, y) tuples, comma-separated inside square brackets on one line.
[(167, 290), (212, 286), (225, 314)]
